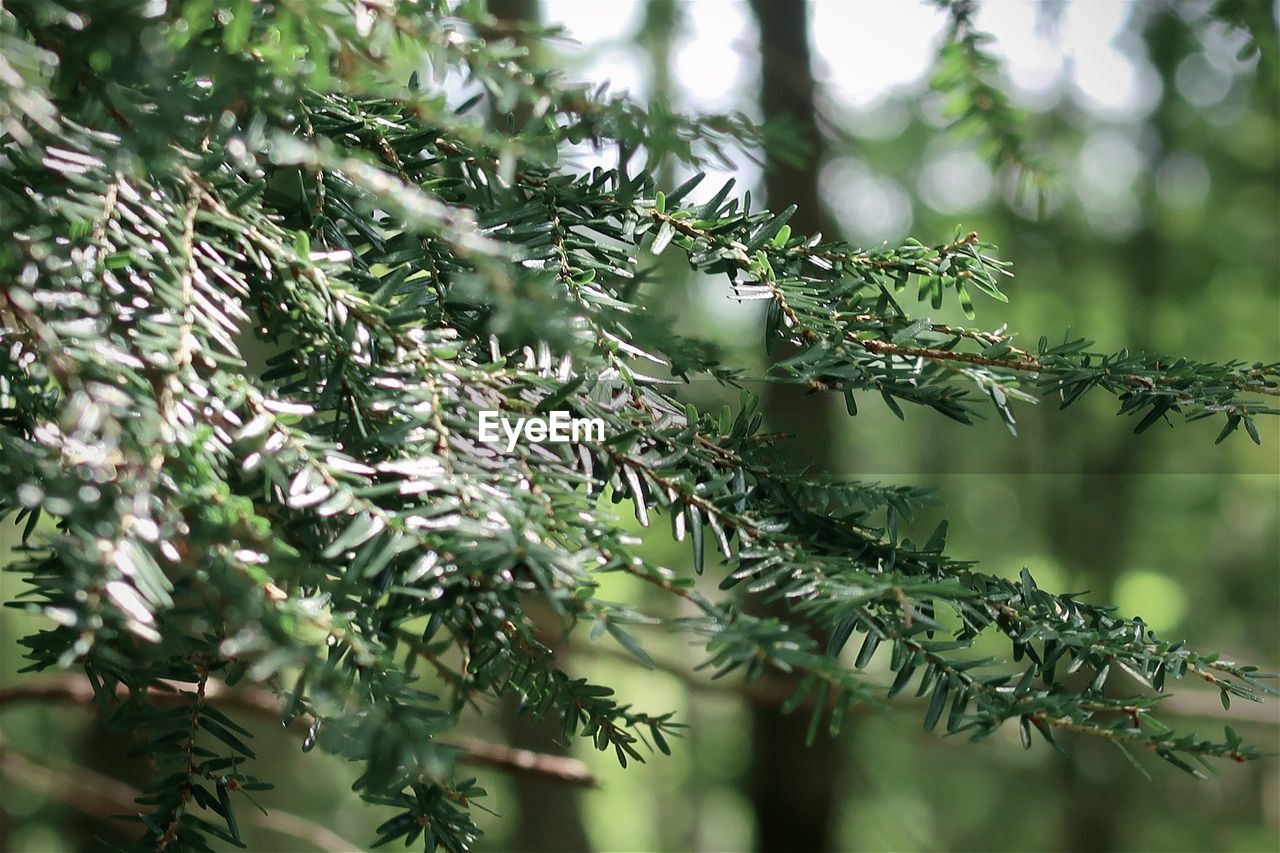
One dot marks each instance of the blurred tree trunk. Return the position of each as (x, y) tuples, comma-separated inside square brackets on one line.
[(550, 815), (662, 20), (792, 785), (100, 751), (1089, 531), (1091, 528), (515, 13), (787, 93)]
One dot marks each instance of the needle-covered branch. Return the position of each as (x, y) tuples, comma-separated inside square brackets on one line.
[(251, 322)]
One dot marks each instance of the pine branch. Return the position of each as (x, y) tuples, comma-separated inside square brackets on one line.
[(331, 529), (965, 73)]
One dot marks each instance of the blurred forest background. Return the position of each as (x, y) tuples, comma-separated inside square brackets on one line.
[(1159, 230)]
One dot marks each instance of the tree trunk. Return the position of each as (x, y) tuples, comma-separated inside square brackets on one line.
[(792, 785), (550, 816), (1092, 528)]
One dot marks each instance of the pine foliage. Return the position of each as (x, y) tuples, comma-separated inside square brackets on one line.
[(190, 185)]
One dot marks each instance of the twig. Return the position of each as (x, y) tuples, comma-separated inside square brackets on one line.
[(103, 797), (772, 690), (539, 764), (70, 689)]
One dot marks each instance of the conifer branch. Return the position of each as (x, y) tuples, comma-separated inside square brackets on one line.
[(326, 527)]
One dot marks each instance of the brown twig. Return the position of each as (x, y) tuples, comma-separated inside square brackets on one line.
[(538, 764), (772, 689), (103, 797), (70, 689)]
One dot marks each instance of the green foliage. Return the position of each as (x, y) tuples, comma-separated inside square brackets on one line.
[(190, 187), (977, 105)]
